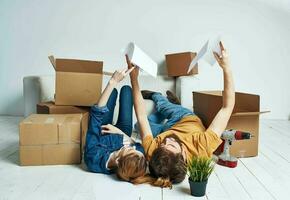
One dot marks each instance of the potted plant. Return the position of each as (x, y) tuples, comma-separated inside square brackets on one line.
[(199, 170)]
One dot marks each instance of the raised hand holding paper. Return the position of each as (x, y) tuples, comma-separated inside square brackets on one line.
[(199, 55), (206, 53), (213, 46), (141, 59)]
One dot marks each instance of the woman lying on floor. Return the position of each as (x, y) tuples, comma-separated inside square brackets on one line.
[(110, 148)]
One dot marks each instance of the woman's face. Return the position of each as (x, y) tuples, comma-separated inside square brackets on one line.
[(171, 144)]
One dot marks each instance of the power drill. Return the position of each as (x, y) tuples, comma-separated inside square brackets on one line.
[(228, 136)]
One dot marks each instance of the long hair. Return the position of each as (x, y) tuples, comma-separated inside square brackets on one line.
[(130, 167), (165, 168)]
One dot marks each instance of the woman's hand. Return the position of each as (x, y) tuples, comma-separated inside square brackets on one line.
[(135, 73), (223, 59), (119, 75), (109, 128)]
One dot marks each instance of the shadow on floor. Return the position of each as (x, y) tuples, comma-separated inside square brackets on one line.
[(185, 190), (10, 154)]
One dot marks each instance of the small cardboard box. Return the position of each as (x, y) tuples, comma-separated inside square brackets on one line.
[(245, 117), (53, 154), (51, 108), (78, 82), (51, 139), (178, 63)]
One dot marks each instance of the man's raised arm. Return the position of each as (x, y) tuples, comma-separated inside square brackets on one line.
[(220, 121)]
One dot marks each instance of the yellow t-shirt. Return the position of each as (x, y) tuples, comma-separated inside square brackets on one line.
[(194, 138)]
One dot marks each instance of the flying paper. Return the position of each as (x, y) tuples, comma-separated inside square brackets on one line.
[(141, 59)]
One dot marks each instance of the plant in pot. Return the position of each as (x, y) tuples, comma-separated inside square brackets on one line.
[(199, 170)]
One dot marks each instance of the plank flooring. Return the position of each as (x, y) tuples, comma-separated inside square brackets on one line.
[(264, 177)]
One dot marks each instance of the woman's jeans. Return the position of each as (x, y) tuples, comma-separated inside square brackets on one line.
[(124, 122), (165, 110)]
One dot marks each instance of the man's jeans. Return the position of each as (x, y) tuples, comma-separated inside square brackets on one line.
[(165, 110), (124, 122)]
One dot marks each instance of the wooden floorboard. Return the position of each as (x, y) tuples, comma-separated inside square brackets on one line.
[(263, 177)]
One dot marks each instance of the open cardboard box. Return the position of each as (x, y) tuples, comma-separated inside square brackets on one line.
[(78, 82), (50, 139), (245, 117), (178, 63)]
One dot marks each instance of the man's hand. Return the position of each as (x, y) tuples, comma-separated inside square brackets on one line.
[(135, 73), (223, 59), (109, 128), (119, 75)]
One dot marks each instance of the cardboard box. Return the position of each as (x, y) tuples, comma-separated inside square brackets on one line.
[(51, 108), (178, 63), (245, 117), (51, 139), (78, 82), (50, 129), (50, 154)]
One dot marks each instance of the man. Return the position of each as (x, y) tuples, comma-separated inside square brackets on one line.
[(183, 136)]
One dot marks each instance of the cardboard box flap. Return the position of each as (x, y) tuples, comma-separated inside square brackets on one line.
[(248, 113), (244, 102), (82, 66)]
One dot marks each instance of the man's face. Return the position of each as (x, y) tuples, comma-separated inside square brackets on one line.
[(172, 145)]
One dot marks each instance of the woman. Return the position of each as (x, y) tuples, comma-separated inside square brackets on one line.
[(183, 135), (110, 148)]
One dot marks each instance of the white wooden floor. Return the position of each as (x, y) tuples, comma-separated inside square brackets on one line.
[(264, 177)]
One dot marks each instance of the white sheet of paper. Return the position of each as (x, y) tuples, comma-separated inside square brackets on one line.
[(213, 46), (199, 55), (141, 59)]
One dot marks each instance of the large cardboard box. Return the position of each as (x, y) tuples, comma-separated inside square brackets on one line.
[(78, 82), (51, 108), (245, 117), (50, 139), (178, 63)]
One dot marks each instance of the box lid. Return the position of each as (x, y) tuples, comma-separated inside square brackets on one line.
[(73, 65), (244, 102), (247, 113)]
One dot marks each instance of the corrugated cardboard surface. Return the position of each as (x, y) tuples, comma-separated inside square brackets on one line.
[(50, 154), (51, 139), (50, 129), (78, 82), (178, 63), (51, 108), (245, 117)]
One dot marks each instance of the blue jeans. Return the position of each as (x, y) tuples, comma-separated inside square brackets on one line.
[(124, 122), (165, 110)]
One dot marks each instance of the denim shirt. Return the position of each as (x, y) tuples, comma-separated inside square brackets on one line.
[(98, 146)]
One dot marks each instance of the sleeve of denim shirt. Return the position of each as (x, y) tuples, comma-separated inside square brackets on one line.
[(96, 151)]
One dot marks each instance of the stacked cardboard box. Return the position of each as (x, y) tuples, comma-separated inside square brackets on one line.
[(55, 135), (50, 139), (178, 64), (51, 108), (245, 117)]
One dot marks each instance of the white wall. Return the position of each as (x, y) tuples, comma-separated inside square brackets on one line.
[(256, 35)]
